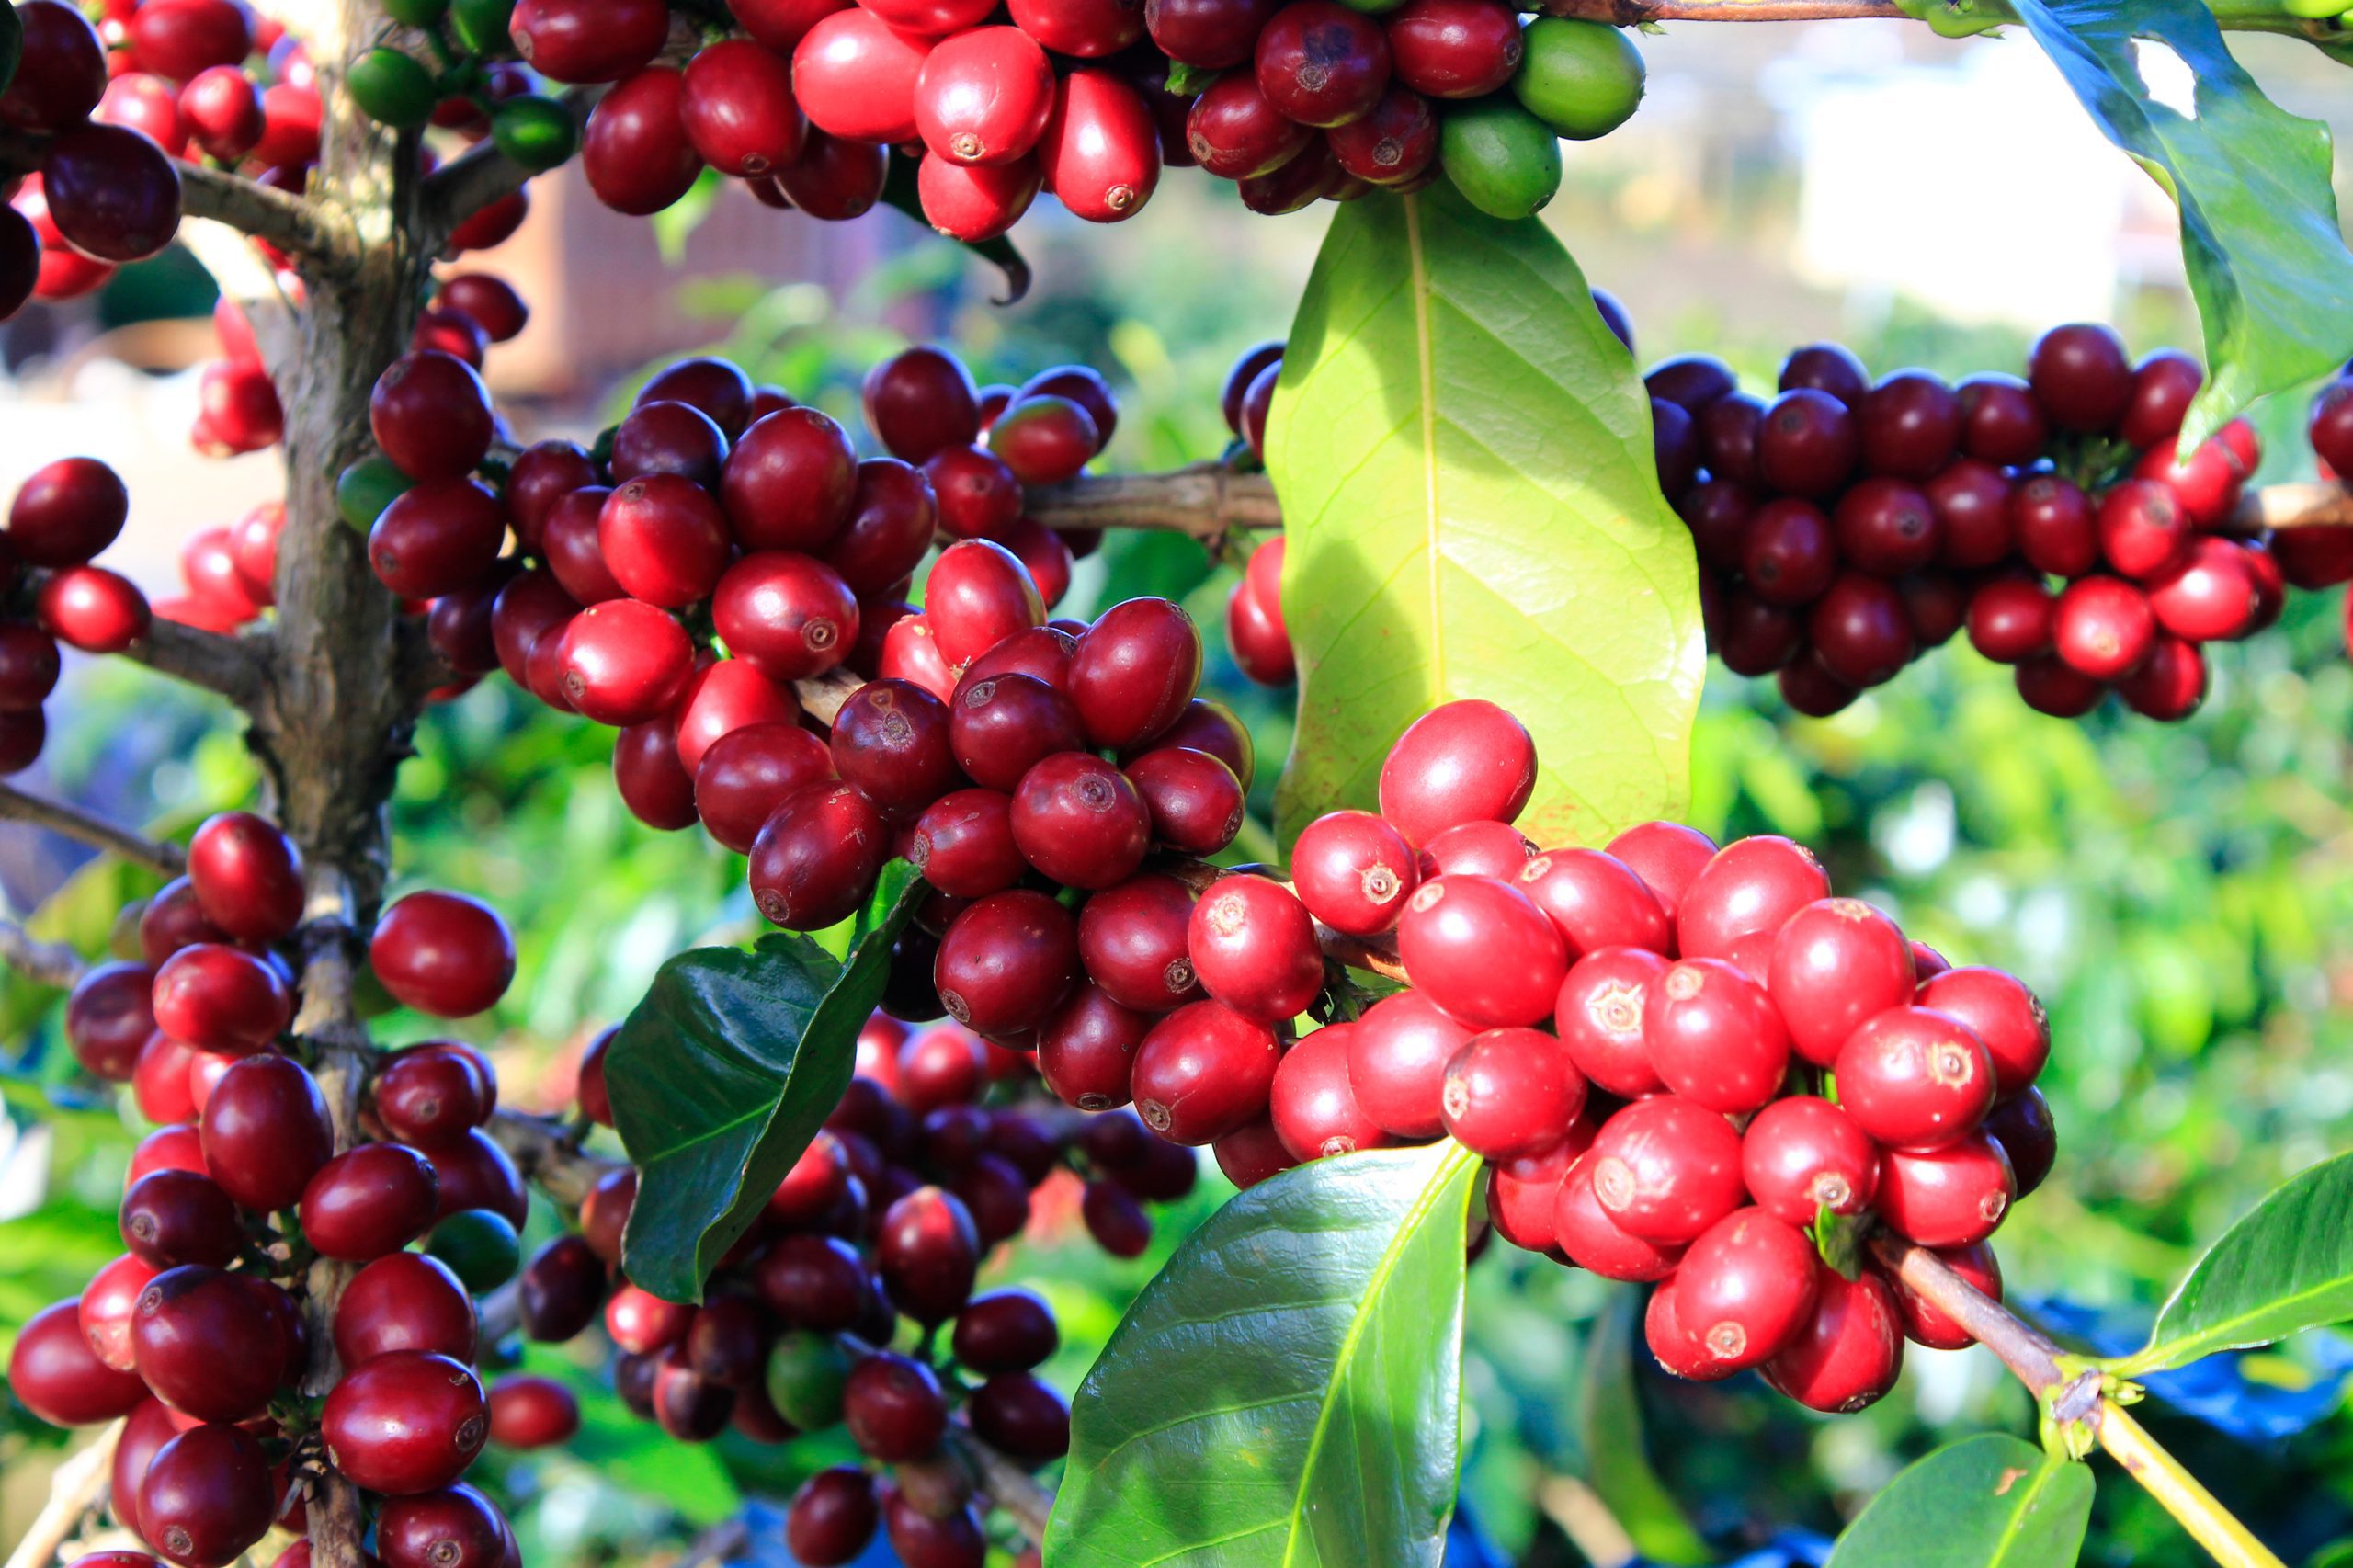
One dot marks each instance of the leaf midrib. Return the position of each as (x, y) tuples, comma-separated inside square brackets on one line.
[(2043, 1476), (1407, 1228)]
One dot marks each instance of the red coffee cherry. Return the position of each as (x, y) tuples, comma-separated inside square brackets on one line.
[(1004, 1331), (1852, 1351), (247, 876), (738, 111), (527, 1411), (108, 1303), (265, 1132), (2003, 1014), (1596, 900), (429, 1094), (1482, 950), (1915, 1079), (1522, 1193), (1745, 1288), (1837, 964), (56, 1375), (1808, 444), (1203, 1072), (2144, 531), (565, 40), (1001, 726), (108, 1016), (431, 415), (1886, 528), (2000, 420), (790, 483), (890, 741), (1925, 1324), (979, 592), (1664, 1169), (978, 496), (1397, 1058), (1133, 671), (1751, 885), (405, 1301), (1477, 848), (624, 661), (1007, 961), (2211, 597), (442, 953), (663, 538), (216, 997), (369, 1201), (983, 95), (1466, 761), (71, 509), (1023, 1416), (1860, 630), (1195, 800), (928, 1252), (212, 1345), (1510, 1092), (816, 857), (1132, 942), (1077, 819), (2049, 686), (1948, 1196), (1353, 871), (1787, 553), (1831, 367), (1601, 1013), (1674, 1347), (160, 1079), (176, 1148), (893, 1408), (668, 437), (2081, 377), (1321, 63), (171, 1217), (1910, 426), (2010, 618), (404, 1423), (963, 844), (1313, 1107), (920, 401), (1101, 155), (1212, 728), (562, 1286), (1253, 948), (1802, 1155), (748, 773), (456, 1527), (2024, 1128), (832, 1517), (787, 616), (1593, 1240), (1714, 1036), (1668, 856), (813, 1282), (472, 1172), (206, 1496), (2103, 628), (1454, 49), (92, 609)]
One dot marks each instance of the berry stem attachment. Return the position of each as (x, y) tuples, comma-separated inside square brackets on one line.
[(75, 1490), (76, 824), (2036, 1362)]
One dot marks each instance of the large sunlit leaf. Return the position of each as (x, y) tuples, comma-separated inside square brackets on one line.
[(2287, 1267), (724, 1072), (1990, 1500), (1287, 1393), (1463, 456), (2266, 260)]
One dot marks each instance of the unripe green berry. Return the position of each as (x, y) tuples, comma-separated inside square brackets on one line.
[(392, 89), (417, 13), (805, 1378), (1584, 79), (366, 488), (481, 26), (479, 1246), (1504, 161), (537, 133)]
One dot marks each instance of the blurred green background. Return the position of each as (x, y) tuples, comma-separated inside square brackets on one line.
[(2181, 897)]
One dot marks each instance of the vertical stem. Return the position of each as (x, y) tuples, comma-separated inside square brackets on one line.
[(2214, 1526)]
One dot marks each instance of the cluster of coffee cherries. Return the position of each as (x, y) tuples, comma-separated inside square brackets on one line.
[(934, 1157), (112, 106), (198, 1334), (60, 518), (1846, 527)]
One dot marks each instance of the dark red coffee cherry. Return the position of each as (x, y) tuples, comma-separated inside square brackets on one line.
[(1321, 63), (789, 482), (1860, 630), (442, 953), (404, 1423), (1235, 132), (1397, 1058), (430, 413), (663, 538), (63, 70), (1078, 819), (1253, 948), (171, 1217), (2003, 1014), (1353, 871), (979, 592), (928, 1252), (1195, 800), (1909, 426), (832, 1517), (2023, 1125), (1134, 670), (1007, 961), (1830, 367), (2144, 531), (206, 1496), (108, 1016), (816, 857), (212, 1345), (527, 1411), (265, 1131), (963, 844), (2081, 377), (1887, 528), (1209, 35), (568, 42), (1001, 726), (1808, 445), (1133, 941), (921, 401), (1851, 1352), (1601, 1013), (787, 615), (893, 1407), (1004, 1331), (1789, 553), (1202, 1071), (2103, 628), (737, 109), (1915, 1079), (2010, 618), (371, 1201), (623, 662), (1664, 1169), (1804, 1154), (455, 1528), (890, 741), (407, 1301), (1454, 49)]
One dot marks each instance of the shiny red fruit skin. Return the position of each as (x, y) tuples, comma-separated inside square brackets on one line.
[(1664, 1169), (1078, 819), (1802, 1155), (1745, 1288), (790, 483), (369, 1201), (1915, 1079), (1950, 1196), (206, 1496), (1253, 948), (1590, 1237), (1522, 1193), (1454, 49), (1353, 871), (1596, 900), (442, 953), (53, 1372), (720, 698), (93, 610), (1397, 1058), (1601, 1013), (2081, 377), (1313, 1110), (963, 844), (1668, 856), (1084, 30), (1483, 950), (405, 1423), (108, 1303), (430, 413), (1007, 961), (1203, 1072), (438, 537), (527, 1411), (890, 741), (216, 997), (920, 401), (108, 1016), (171, 1217), (213, 1345), (738, 109), (456, 1527), (976, 202), (247, 876), (1510, 1093), (1100, 150), (403, 1300), (1321, 63), (1714, 1036), (634, 150), (1751, 885), (977, 594), (1850, 1353), (1465, 761), (2006, 1017), (856, 75), (787, 615), (574, 41), (1131, 941), (265, 1132), (1236, 133), (983, 95), (1086, 1049), (1134, 670), (2211, 596), (111, 192), (1837, 964), (816, 856), (65, 70)]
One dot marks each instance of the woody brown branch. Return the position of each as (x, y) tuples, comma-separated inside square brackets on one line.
[(86, 827)]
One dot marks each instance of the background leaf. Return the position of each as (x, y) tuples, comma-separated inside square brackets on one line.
[(1463, 455), (2266, 260), (1985, 1501), (1287, 1391), (723, 1073), (1608, 1415), (2287, 1267)]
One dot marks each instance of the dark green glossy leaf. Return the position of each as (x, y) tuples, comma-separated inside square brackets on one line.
[(2287, 1267), (724, 1072), (898, 190), (1609, 1416), (1464, 454), (1990, 1500), (1287, 1390), (2266, 260)]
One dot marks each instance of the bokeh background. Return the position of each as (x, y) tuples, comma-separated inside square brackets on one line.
[(2181, 896)]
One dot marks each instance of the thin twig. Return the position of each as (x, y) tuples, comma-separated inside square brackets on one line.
[(51, 963), (1005, 1484), (75, 1490), (547, 1151), (96, 831), (231, 667), (2311, 505), (1205, 500), (300, 228), (2034, 1360)]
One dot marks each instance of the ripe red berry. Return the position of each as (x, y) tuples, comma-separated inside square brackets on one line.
[(624, 661), (963, 844), (404, 1423), (566, 40), (1202, 1071), (1596, 900), (2010, 618), (816, 857), (171, 1217), (1133, 941), (1194, 798), (1510, 1092), (108, 1016), (1321, 63), (749, 772), (1808, 444), (1007, 961), (1397, 1058), (430, 413), (1802, 1155), (1749, 886), (371, 1201), (442, 953), (2211, 596), (890, 741), (920, 401), (212, 1345), (977, 594), (1668, 856), (108, 1303), (527, 1411), (1714, 1036), (1837, 964), (1134, 670), (738, 112), (1664, 1169), (206, 1496), (265, 1132), (1311, 1106), (2081, 377), (1947, 1196), (1851, 1352), (1592, 1238), (2103, 628), (1482, 950), (1100, 155), (1915, 1079), (928, 1252), (1353, 871), (1477, 848), (1253, 948), (790, 481), (1600, 1014), (832, 1517), (1745, 1288), (1077, 819), (1522, 1193), (405, 1301), (893, 1407), (216, 997), (787, 615), (247, 876), (92, 609), (456, 1527), (663, 538), (2003, 1014), (1466, 761), (2144, 531)]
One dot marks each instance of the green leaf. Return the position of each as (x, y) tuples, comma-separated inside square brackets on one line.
[(898, 190), (1463, 455), (724, 1072), (1608, 1417), (1990, 1500), (2268, 263), (1288, 1391), (2287, 1267)]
